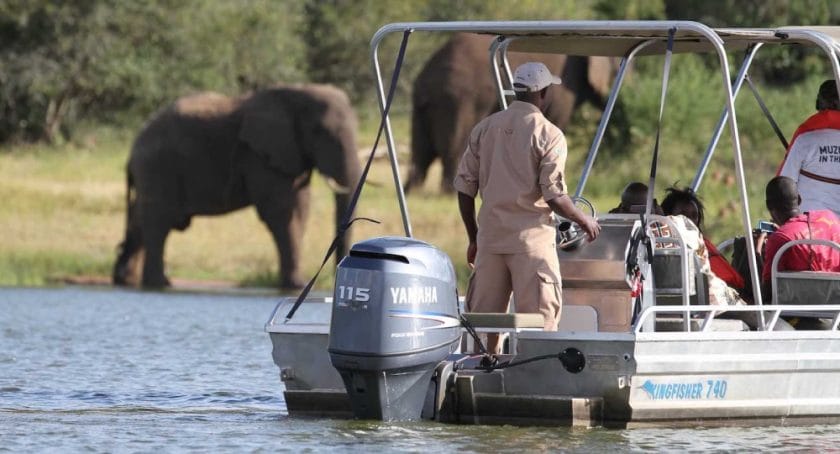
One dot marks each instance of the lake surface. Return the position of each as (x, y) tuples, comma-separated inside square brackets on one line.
[(122, 371)]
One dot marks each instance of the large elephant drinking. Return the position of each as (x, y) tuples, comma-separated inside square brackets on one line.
[(455, 90), (209, 154)]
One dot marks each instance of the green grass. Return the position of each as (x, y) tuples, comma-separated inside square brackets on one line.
[(63, 207)]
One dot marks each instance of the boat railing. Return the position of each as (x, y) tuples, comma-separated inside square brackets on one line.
[(724, 246), (801, 288), (309, 318), (706, 314)]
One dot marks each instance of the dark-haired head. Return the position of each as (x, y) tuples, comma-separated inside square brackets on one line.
[(782, 199), (683, 201), (827, 96)]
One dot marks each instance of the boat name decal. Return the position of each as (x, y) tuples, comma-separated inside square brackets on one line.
[(710, 389), (414, 295)]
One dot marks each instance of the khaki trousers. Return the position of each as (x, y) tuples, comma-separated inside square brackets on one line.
[(534, 278)]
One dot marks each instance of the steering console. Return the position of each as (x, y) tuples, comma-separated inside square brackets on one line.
[(569, 234)]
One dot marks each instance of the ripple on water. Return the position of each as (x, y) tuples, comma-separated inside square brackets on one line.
[(12, 333)]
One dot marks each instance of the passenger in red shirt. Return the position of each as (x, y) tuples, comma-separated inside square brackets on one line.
[(685, 202), (782, 198)]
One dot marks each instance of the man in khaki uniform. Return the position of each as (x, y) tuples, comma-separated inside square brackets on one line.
[(516, 158)]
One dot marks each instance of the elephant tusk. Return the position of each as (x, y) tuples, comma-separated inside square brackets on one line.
[(336, 187)]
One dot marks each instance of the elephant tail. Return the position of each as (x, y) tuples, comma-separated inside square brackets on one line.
[(129, 197)]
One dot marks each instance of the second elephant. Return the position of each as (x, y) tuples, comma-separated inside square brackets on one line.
[(209, 154), (455, 90)]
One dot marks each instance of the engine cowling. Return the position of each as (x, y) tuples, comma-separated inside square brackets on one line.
[(394, 319)]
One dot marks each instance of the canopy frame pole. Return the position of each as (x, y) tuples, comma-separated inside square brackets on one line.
[(389, 137), (494, 68), (605, 117), (710, 150)]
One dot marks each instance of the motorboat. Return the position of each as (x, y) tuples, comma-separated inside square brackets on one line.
[(638, 341)]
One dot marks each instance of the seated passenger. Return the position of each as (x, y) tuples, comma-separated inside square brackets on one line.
[(783, 200), (812, 160), (685, 202), (686, 210), (634, 200)]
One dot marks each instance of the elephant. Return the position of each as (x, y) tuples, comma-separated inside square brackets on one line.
[(455, 90), (209, 154)]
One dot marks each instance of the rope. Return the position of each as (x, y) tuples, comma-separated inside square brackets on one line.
[(767, 113), (666, 70)]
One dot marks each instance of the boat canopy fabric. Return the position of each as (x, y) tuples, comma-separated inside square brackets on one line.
[(617, 45), (617, 38)]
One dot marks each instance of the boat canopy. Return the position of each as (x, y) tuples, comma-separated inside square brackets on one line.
[(618, 38), (625, 39)]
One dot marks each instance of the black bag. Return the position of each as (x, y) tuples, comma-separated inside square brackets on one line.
[(740, 263)]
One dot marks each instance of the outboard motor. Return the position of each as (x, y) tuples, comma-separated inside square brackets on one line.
[(394, 319)]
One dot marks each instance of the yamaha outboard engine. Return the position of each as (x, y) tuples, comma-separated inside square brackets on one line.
[(394, 319)]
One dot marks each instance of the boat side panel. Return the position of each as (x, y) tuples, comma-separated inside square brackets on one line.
[(304, 361), (748, 378), (609, 366)]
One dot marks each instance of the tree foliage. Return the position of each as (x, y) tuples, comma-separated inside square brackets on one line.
[(779, 65), (63, 62)]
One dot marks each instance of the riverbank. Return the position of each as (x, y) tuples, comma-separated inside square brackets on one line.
[(63, 213)]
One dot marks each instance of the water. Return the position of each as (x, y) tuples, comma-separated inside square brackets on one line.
[(121, 371)]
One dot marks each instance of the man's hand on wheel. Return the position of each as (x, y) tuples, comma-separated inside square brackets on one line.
[(590, 226)]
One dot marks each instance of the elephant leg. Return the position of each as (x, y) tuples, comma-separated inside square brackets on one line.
[(155, 227), (126, 268), (453, 149), (285, 216), (420, 163), (422, 149), (450, 168)]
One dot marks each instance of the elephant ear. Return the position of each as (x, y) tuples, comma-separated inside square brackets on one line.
[(600, 74), (270, 133)]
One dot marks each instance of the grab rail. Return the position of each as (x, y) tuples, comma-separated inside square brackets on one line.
[(712, 312), (674, 237), (774, 269)]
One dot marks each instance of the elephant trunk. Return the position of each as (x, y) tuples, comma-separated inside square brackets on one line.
[(342, 200)]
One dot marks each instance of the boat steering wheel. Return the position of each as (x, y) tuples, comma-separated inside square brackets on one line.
[(569, 234)]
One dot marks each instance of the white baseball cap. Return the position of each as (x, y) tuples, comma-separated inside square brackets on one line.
[(533, 76)]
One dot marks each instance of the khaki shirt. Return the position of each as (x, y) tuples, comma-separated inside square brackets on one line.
[(515, 158)]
